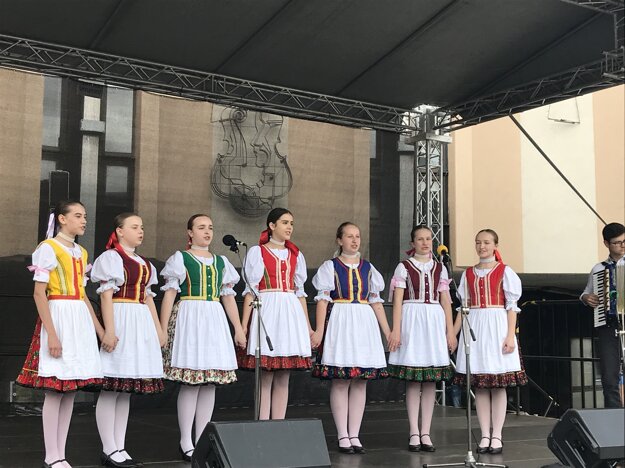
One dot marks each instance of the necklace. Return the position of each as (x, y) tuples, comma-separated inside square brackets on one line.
[(197, 247), (487, 260), (273, 241), (354, 255), (65, 237)]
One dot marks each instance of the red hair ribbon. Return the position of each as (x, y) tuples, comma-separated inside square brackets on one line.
[(498, 256), (410, 252), (264, 238), (113, 243)]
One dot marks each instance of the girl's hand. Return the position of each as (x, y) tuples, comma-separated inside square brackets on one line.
[(394, 340), (54, 346), (240, 339), (244, 328), (508, 345), (162, 338), (315, 339), (452, 342), (109, 342)]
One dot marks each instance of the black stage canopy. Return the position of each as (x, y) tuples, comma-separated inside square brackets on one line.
[(357, 62)]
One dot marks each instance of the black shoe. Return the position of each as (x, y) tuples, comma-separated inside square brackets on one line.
[(185, 455), (359, 449), (413, 447), (349, 449), (498, 450), (136, 463), (427, 447), (486, 449), (50, 465), (108, 461)]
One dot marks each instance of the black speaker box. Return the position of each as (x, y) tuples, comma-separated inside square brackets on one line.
[(291, 443), (589, 438)]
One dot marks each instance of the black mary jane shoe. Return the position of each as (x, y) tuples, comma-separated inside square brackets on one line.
[(135, 463), (185, 455), (108, 461), (483, 450), (414, 447), (359, 449), (498, 450), (50, 465), (349, 449), (427, 447)]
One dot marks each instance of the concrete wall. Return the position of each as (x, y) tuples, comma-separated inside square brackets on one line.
[(499, 180), (21, 116)]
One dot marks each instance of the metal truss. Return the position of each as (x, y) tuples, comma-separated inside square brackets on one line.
[(59, 60), (574, 82), (429, 161)]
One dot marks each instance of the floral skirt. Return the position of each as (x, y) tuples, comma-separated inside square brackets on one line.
[(129, 385), (29, 376), (190, 376), (273, 363), (324, 372), (421, 374)]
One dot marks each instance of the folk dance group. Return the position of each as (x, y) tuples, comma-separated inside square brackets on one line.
[(190, 341)]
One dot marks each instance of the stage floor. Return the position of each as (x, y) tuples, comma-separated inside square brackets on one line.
[(153, 438)]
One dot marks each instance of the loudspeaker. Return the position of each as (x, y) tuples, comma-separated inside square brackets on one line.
[(588, 438), (291, 443)]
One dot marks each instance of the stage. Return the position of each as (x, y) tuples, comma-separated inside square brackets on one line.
[(153, 437)]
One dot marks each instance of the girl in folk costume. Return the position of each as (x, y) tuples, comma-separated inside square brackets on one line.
[(276, 269), (350, 347), (199, 352), (63, 355), (130, 353), (423, 330), (491, 289)]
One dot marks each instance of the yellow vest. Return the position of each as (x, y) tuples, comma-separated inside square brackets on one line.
[(66, 280)]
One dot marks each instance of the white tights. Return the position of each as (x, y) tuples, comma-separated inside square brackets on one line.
[(274, 394), (195, 403), (490, 404), (56, 416), (420, 396), (347, 400), (111, 415)]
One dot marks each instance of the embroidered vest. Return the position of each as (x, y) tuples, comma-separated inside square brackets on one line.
[(486, 291), (279, 275), (66, 280), (203, 282), (136, 278), (421, 286), (351, 285)]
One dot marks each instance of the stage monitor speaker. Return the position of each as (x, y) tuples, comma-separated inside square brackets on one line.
[(589, 438), (290, 443)]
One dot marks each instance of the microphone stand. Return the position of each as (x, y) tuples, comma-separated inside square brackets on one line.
[(468, 335), (257, 306)]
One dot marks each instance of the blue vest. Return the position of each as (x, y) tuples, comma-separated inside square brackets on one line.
[(351, 285)]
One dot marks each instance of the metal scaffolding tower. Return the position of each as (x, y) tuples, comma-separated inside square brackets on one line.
[(430, 147)]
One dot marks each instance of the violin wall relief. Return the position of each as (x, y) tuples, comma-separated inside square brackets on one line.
[(251, 170)]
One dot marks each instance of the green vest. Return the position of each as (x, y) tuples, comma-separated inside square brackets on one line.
[(203, 282)]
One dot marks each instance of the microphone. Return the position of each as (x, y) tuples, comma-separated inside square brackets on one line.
[(231, 242), (443, 253)]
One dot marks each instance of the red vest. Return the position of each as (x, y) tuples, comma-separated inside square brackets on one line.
[(422, 287), (279, 274), (137, 276), (486, 291)]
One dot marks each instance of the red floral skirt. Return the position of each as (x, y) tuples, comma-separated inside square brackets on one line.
[(139, 386), (272, 363), (29, 377)]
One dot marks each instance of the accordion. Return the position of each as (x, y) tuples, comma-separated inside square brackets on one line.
[(609, 285)]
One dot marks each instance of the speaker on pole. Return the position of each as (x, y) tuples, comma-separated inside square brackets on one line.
[(291, 443), (589, 438)]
